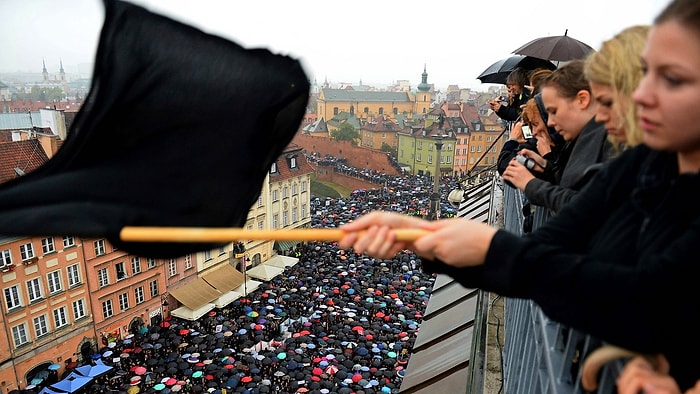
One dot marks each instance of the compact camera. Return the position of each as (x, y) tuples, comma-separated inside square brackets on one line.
[(527, 162)]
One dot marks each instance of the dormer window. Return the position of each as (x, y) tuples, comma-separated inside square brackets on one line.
[(293, 162), (273, 168)]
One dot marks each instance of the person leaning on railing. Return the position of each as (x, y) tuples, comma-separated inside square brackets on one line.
[(619, 261)]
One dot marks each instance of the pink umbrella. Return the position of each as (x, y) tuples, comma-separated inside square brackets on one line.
[(140, 370)]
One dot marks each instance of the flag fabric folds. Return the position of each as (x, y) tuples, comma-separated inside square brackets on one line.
[(179, 129)]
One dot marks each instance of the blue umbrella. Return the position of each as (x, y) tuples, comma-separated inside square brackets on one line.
[(93, 371), (54, 367)]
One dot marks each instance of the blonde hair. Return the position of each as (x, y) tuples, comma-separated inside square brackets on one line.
[(617, 65)]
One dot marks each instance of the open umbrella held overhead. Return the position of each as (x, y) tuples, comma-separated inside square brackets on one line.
[(498, 71), (556, 48)]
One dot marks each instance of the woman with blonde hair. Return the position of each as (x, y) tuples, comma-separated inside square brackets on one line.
[(614, 72)]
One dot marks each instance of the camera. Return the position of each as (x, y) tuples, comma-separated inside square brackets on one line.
[(503, 98), (527, 133), (527, 162)]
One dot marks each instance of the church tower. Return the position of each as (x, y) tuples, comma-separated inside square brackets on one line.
[(62, 73), (45, 73), (423, 95)]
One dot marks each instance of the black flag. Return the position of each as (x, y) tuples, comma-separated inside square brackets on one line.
[(179, 129)]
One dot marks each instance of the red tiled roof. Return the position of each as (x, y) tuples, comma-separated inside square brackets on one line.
[(283, 170), (26, 156)]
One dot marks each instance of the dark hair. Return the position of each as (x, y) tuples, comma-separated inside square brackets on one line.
[(568, 79), (536, 77), (686, 12), (517, 77)]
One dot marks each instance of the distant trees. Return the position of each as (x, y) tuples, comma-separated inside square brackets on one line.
[(346, 133), (42, 93)]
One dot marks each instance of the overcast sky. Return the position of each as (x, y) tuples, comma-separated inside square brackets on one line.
[(375, 41)]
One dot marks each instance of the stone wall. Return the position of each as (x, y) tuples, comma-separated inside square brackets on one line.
[(326, 174), (356, 156)]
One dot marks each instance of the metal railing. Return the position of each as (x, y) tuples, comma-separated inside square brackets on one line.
[(540, 355)]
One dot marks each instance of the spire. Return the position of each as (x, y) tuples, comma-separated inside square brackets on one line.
[(45, 72), (423, 85), (44, 61), (61, 60)]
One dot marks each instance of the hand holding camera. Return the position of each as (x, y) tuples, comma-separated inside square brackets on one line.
[(526, 161)]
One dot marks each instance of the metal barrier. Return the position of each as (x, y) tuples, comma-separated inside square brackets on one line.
[(540, 355)]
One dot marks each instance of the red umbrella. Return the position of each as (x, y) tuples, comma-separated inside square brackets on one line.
[(170, 382), (317, 371), (184, 331), (247, 379), (139, 370), (331, 369)]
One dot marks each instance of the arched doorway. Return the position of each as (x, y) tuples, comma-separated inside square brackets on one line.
[(41, 376), (86, 351), (136, 326)]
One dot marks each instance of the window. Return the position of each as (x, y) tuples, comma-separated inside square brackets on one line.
[(19, 335), (103, 277), (335, 110), (68, 241), (40, 326), (472, 149), (60, 318), (151, 263), (107, 309), (366, 110), (430, 159), (303, 211), (285, 218), (295, 189), (34, 289), (261, 225), (275, 220), (275, 195), (153, 286), (418, 157), (47, 245), (12, 299), (123, 301), (222, 250), (478, 149), (207, 255), (303, 186), (135, 265), (285, 192), (139, 295), (420, 144), (188, 261), (79, 310), (99, 247), (396, 110), (260, 201), (464, 151), (120, 268), (26, 251), (381, 110), (294, 215), (54, 279), (5, 257), (273, 168), (73, 275), (293, 162), (172, 267)]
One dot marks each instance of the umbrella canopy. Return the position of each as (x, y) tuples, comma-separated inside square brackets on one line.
[(557, 48), (131, 135), (498, 71), (72, 383), (93, 371)]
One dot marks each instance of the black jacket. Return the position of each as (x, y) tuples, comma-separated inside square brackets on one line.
[(618, 262), (512, 111)]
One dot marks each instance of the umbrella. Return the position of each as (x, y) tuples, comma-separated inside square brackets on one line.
[(92, 371), (557, 48), (72, 383), (130, 136), (498, 71)]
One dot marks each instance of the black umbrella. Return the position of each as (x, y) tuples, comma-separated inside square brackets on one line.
[(145, 112), (498, 72), (557, 48)]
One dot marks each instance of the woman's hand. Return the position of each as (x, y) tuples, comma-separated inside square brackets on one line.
[(540, 162), (517, 174), (639, 375), (458, 242), (516, 132)]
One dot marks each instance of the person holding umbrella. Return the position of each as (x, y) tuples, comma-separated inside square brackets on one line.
[(510, 108), (634, 228)]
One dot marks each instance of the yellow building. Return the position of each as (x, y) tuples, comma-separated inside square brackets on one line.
[(376, 132), (363, 104), (417, 150)]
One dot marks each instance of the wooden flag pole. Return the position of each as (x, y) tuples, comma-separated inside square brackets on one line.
[(228, 234)]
